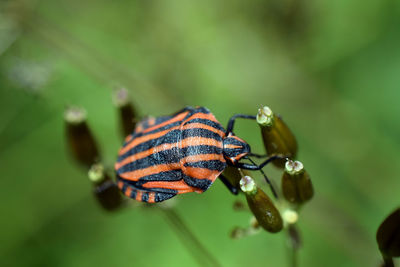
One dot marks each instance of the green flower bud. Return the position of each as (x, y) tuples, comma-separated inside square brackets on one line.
[(105, 190), (296, 183), (388, 235), (277, 137), (127, 113), (261, 206), (81, 143)]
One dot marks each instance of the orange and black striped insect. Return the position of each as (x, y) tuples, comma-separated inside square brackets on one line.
[(181, 153)]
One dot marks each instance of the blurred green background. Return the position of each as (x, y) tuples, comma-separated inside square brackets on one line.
[(331, 68)]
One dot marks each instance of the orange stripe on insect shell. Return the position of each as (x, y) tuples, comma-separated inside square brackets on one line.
[(151, 121), (139, 195), (139, 128), (200, 173), (180, 186), (137, 174), (203, 157), (172, 120), (143, 139), (196, 141), (230, 146), (128, 138), (201, 116), (120, 184), (128, 191), (204, 126), (152, 197)]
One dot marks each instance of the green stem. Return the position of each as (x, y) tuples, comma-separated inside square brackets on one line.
[(194, 246), (293, 244)]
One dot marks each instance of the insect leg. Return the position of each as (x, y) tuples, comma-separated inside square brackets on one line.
[(257, 155), (230, 187), (262, 165), (231, 122)]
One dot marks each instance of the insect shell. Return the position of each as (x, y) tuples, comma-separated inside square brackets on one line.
[(176, 154)]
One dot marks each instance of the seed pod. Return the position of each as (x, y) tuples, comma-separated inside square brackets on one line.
[(261, 205), (233, 175), (388, 235), (127, 113), (81, 142), (296, 183), (105, 190), (277, 137)]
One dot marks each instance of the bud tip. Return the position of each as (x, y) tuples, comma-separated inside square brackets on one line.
[(294, 167), (74, 115), (265, 116), (121, 97), (247, 184), (96, 173)]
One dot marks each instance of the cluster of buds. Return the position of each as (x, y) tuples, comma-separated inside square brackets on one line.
[(296, 187), (85, 151)]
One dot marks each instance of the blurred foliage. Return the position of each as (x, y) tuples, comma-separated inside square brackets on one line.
[(331, 68)]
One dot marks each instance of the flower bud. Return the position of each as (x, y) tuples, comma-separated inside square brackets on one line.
[(81, 142), (261, 206), (277, 137), (388, 235), (296, 183), (233, 175), (105, 190), (127, 113)]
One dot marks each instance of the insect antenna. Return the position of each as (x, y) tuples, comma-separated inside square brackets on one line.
[(266, 179)]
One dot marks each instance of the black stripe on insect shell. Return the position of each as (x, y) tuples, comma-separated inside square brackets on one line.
[(163, 157), (172, 175), (163, 128), (168, 176), (201, 110), (202, 184), (145, 196), (124, 187), (133, 193), (213, 165), (201, 132), (201, 149), (207, 122), (163, 196)]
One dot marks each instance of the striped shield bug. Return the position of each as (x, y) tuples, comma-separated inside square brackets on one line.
[(181, 153)]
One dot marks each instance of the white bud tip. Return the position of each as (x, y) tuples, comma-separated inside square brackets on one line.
[(293, 167), (96, 173), (247, 184), (121, 97), (290, 216), (265, 116), (75, 115)]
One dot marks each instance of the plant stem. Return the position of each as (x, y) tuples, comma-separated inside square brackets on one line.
[(194, 246)]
